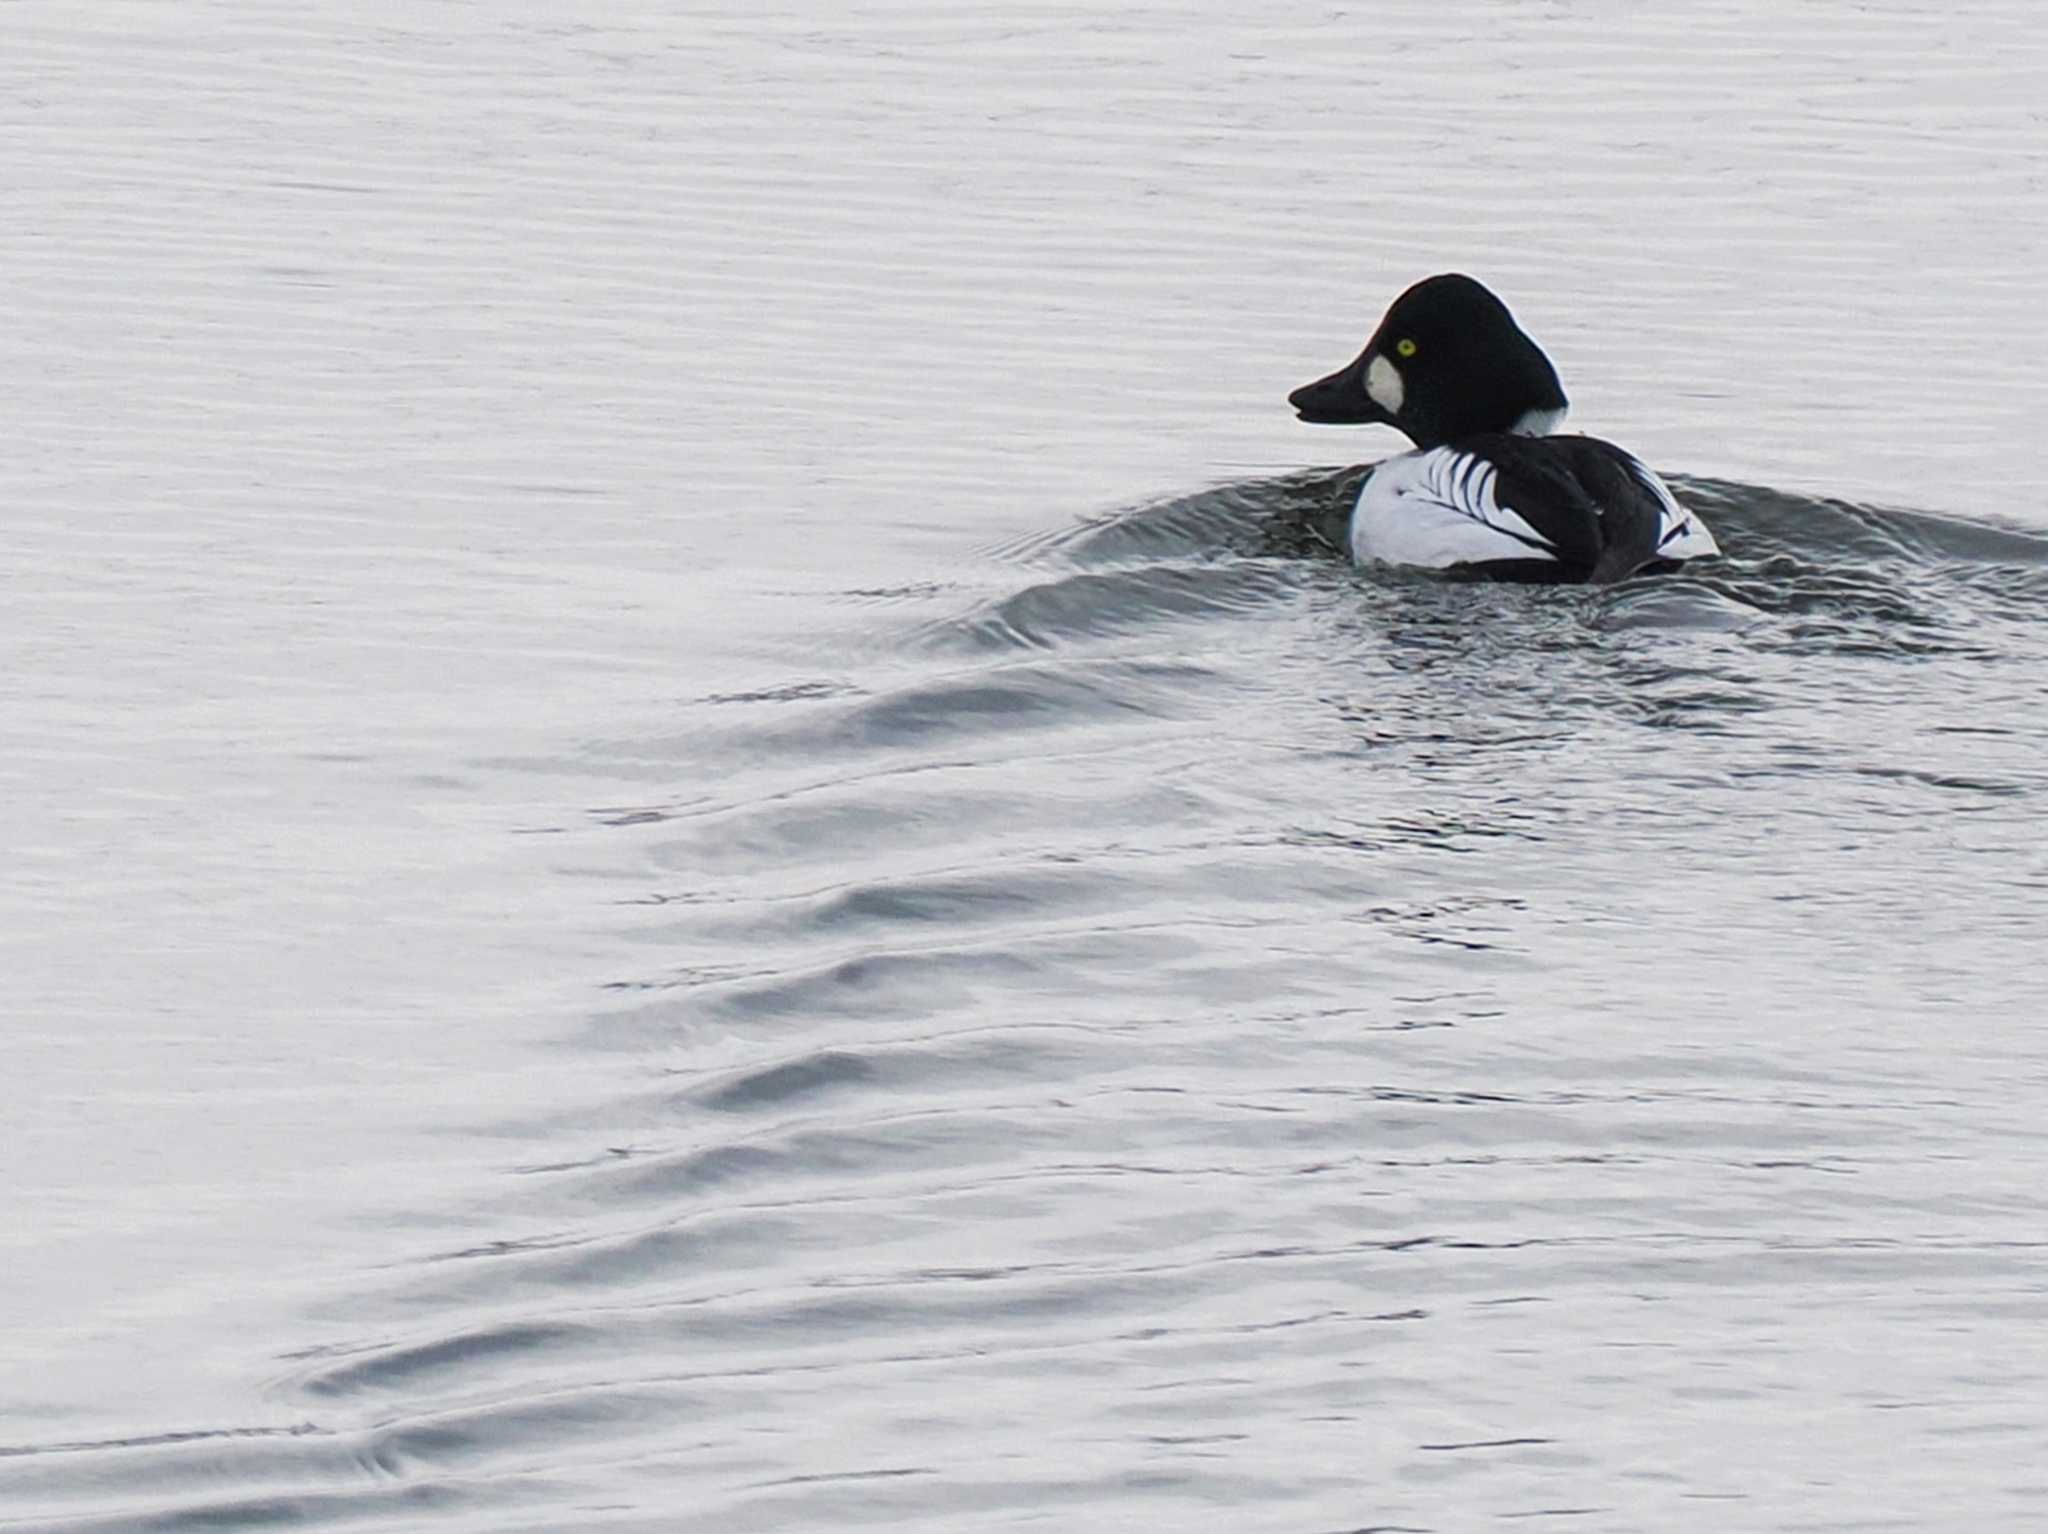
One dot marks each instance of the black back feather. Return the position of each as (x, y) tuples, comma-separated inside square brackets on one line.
[(1588, 498)]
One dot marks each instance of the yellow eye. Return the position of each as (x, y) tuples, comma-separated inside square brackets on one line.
[(1405, 347)]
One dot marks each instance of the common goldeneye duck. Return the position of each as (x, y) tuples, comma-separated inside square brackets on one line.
[(1488, 491)]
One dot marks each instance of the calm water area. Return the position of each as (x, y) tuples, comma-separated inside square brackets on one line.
[(697, 836)]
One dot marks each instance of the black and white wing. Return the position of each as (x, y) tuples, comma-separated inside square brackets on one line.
[(1444, 507)]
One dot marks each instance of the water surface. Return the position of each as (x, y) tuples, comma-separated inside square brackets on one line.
[(701, 838)]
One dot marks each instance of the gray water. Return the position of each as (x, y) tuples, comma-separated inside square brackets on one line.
[(698, 838)]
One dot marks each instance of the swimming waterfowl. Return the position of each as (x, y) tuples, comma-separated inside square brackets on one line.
[(1489, 490)]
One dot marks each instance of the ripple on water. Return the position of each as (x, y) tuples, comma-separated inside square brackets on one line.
[(1283, 995), (1145, 1027)]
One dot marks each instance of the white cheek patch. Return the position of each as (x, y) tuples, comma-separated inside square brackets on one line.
[(1383, 385)]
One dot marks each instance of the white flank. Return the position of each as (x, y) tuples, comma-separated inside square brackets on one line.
[(1434, 509), (1680, 533)]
